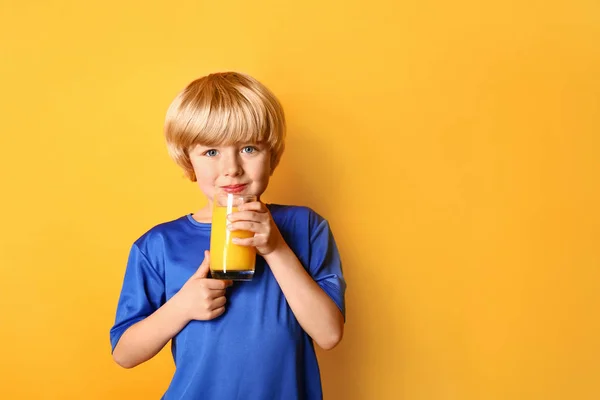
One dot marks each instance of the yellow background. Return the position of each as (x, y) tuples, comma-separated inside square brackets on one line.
[(453, 145)]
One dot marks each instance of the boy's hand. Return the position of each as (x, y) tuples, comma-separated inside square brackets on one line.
[(203, 298), (255, 217)]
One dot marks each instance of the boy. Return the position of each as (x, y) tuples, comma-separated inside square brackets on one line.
[(253, 340)]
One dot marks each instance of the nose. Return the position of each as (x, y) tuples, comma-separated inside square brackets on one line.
[(231, 165)]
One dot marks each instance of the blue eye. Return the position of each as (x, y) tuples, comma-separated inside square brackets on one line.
[(249, 149), (211, 153)]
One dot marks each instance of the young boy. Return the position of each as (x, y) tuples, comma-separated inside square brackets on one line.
[(252, 340)]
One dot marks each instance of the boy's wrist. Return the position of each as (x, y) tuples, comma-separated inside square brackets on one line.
[(279, 253), (177, 309)]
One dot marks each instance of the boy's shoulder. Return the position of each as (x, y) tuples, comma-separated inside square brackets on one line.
[(288, 213), (287, 209), (163, 229)]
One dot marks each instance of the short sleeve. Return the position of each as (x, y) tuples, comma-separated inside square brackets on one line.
[(142, 293), (325, 264)]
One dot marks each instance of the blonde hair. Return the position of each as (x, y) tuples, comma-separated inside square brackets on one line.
[(224, 108)]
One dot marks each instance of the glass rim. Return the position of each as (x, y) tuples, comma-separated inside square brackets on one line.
[(236, 196)]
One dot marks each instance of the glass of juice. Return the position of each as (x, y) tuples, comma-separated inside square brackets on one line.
[(229, 260)]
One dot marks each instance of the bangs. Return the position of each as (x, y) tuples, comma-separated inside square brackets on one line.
[(232, 119)]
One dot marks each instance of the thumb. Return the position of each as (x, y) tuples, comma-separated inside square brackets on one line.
[(202, 271)]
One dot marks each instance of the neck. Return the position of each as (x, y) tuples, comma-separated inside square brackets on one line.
[(204, 214)]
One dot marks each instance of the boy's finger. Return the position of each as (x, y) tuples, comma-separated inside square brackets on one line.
[(218, 284), (248, 242), (245, 216), (253, 206), (202, 271), (216, 293), (248, 226)]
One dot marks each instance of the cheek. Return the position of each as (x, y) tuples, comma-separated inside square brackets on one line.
[(263, 168), (204, 175), (205, 184), (263, 174)]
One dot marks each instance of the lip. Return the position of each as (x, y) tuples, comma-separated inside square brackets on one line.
[(234, 188)]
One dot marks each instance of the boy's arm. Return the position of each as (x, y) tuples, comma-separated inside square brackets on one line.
[(144, 339), (316, 312), (318, 315), (199, 298)]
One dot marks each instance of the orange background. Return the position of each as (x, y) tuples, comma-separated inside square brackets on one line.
[(454, 147)]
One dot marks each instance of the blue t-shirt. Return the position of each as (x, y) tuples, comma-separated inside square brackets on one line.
[(256, 349)]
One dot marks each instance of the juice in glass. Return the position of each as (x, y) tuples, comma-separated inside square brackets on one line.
[(229, 260)]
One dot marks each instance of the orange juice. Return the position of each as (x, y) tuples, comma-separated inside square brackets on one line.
[(228, 260)]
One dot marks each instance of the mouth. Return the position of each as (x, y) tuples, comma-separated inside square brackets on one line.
[(234, 188)]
